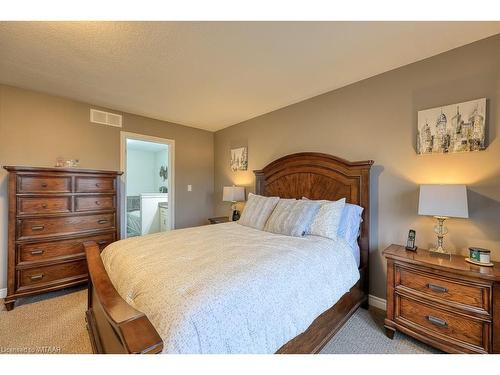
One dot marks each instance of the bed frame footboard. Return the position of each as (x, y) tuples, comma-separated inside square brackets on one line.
[(114, 326)]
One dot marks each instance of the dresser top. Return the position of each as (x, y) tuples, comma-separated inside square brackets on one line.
[(17, 168), (454, 264)]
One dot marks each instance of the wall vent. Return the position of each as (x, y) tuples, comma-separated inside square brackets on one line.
[(105, 118)]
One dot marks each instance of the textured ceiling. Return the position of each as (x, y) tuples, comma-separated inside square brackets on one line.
[(211, 75)]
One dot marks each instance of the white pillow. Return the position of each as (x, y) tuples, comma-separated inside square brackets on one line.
[(257, 211), (327, 220), (292, 217)]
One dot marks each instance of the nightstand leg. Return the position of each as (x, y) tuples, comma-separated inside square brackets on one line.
[(389, 332)]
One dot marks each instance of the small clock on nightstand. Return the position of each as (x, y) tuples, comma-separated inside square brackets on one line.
[(218, 220)]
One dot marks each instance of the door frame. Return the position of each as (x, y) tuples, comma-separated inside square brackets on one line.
[(123, 166)]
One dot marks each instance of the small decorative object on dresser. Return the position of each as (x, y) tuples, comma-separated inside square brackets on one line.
[(234, 194), (52, 211), (218, 220), (442, 202), (447, 303), (479, 256)]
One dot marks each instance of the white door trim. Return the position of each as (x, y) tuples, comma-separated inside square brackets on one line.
[(123, 166)]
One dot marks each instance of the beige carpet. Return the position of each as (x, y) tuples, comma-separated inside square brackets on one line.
[(52, 323), (55, 323)]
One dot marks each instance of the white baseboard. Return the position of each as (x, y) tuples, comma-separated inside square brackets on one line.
[(3, 293), (377, 302)]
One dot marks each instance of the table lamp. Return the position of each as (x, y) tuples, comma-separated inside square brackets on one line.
[(442, 202), (234, 194)]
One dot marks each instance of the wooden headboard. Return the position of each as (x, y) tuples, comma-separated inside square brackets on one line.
[(320, 176)]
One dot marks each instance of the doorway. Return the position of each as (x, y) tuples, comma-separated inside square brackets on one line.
[(148, 186)]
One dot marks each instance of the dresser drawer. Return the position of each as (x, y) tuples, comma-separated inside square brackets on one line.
[(94, 203), (41, 276), (64, 225), (43, 205), (460, 329), (43, 184), (36, 252), (460, 292), (94, 184)]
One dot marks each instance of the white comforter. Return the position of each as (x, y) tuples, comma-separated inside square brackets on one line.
[(227, 288)]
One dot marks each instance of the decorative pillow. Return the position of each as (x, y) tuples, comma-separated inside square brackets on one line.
[(350, 223), (327, 220), (257, 211), (292, 217)]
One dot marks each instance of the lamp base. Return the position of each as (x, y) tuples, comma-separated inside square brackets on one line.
[(441, 231), (439, 252)]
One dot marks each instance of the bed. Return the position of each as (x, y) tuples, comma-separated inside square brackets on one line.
[(215, 287)]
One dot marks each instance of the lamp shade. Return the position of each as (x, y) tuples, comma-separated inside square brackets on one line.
[(233, 194), (443, 200)]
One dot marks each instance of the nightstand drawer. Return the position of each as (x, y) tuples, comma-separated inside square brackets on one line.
[(460, 292), (463, 331)]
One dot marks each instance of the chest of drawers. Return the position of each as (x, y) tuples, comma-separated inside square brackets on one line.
[(447, 303), (52, 211)]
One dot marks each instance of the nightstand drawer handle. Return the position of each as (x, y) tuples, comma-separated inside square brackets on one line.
[(102, 221), (37, 252), (103, 242), (437, 288), (36, 277), (37, 227), (437, 321)]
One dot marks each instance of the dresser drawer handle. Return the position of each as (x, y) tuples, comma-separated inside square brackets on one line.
[(102, 242), (37, 252), (44, 205), (44, 185), (97, 203), (436, 321), (437, 288), (37, 227), (36, 277), (102, 221), (97, 185)]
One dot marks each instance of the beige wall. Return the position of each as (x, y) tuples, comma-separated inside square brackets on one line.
[(376, 119), (36, 128)]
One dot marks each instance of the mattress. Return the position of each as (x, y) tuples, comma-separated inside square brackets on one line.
[(228, 288)]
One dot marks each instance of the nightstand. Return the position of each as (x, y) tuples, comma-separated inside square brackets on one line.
[(447, 303), (218, 220)]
